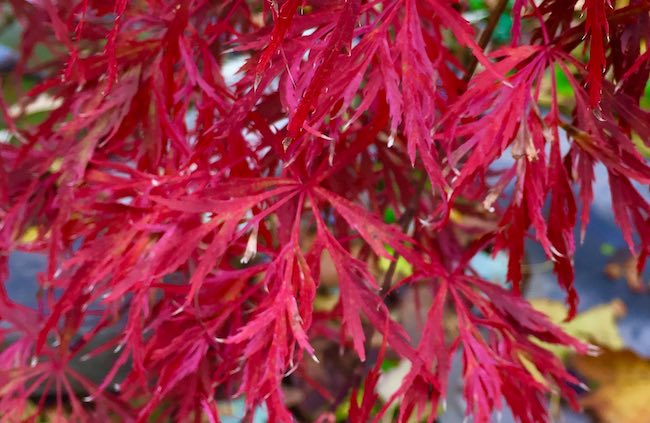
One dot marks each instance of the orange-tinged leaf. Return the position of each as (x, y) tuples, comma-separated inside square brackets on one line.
[(621, 386)]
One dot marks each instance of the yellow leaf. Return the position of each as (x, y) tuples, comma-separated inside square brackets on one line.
[(56, 165), (596, 325), (622, 381), (403, 268), (613, 367), (29, 236), (325, 302), (455, 216)]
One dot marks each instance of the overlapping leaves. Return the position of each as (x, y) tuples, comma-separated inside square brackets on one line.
[(173, 199)]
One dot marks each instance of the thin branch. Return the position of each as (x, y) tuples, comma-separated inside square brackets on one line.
[(486, 36), (404, 222)]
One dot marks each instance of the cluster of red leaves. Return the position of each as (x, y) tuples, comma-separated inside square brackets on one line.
[(173, 200)]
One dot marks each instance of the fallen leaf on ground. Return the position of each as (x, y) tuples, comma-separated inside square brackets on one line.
[(621, 382), (596, 325)]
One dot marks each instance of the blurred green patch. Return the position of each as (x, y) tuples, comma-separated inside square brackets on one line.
[(645, 100), (564, 88), (477, 5), (389, 215), (389, 364), (503, 31), (607, 249)]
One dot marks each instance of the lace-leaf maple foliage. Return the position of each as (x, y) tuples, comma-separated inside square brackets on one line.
[(189, 210)]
